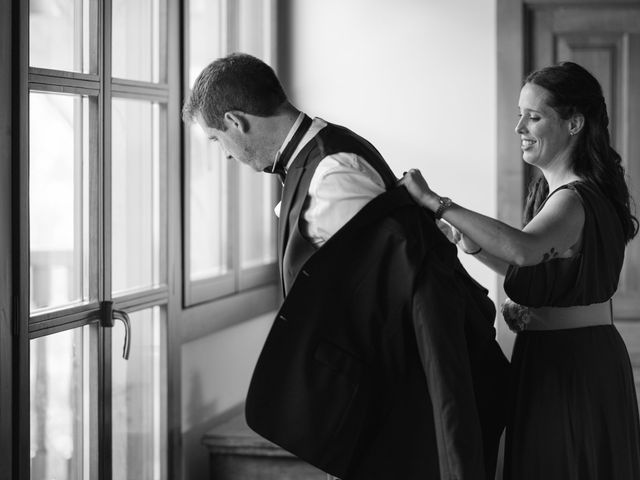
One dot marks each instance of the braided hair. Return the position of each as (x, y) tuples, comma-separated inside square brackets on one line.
[(573, 90)]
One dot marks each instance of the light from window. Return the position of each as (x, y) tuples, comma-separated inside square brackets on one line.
[(136, 40), (257, 218), (209, 232), (58, 34), (138, 397), (205, 36), (60, 405), (135, 195), (58, 199)]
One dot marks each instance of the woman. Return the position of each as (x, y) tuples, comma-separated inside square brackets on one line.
[(573, 411)]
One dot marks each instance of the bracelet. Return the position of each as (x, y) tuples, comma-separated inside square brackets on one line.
[(473, 253)]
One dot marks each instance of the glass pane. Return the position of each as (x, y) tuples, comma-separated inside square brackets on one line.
[(139, 405), (136, 40), (208, 201), (135, 200), (59, 406), (257, 218), (58, 199), (59, 34), (251, 28), (204, 35)]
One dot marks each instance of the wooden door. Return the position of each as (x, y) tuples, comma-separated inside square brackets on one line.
[(606, 41)]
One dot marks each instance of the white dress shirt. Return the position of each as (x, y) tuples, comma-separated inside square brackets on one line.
[(342, 184)]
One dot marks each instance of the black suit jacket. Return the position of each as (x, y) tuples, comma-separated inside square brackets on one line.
[(382, 361)]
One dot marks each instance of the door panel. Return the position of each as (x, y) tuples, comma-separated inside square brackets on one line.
[(606, 41)]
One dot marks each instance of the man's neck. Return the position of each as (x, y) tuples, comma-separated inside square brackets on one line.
[(285, 117)]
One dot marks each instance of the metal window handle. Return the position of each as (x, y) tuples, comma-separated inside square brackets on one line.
[(108, 315)]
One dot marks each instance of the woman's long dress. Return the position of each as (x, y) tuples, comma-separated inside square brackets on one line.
[(574, 413)]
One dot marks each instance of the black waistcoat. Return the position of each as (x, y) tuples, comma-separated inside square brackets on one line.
[(293, 248)]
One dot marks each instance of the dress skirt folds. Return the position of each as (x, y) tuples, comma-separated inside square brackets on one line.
[(573, 407), (574, 414)]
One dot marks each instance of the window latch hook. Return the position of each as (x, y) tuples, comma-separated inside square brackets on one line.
[(108, 315)]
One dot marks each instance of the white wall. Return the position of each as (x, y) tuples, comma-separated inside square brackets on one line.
[(417, 78), (216, 370)]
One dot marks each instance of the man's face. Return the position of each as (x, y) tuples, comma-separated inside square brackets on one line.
[(237, 144)]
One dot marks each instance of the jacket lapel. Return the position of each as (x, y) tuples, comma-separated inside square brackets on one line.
[(289, 195)]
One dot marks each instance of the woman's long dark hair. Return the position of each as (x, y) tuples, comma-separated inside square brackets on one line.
[(574, 90)]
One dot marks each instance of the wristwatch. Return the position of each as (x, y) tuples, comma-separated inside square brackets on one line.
[(445, 202)]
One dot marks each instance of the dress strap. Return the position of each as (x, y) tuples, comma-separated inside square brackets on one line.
[(569, 185)]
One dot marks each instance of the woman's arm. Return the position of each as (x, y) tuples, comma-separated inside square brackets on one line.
[(553, 231), (494, 263)]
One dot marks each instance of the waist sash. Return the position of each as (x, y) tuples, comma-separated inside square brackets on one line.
[(560, 318)]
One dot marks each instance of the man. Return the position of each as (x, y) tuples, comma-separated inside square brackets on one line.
[(254, 127), (382, 361)]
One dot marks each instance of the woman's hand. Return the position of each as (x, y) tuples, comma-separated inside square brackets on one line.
[(419, 189), (516, 316), (450, 232), (466, 244), (457, 237)]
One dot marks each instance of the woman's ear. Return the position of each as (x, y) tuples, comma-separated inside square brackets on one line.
[(236, 119), (576, 123)]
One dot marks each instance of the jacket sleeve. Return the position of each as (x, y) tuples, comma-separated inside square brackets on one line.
[(438, 309)]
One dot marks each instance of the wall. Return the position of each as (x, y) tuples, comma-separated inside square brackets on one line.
[(417, 78), (216, 370)]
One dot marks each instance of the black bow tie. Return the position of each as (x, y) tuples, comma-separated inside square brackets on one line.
[(279, 167)]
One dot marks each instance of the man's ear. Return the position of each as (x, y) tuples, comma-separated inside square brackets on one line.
[(576, 123), (236, 119)]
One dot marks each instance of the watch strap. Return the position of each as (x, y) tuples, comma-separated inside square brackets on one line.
[(445, 202)]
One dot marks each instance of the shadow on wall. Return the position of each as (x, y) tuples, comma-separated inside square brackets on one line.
[(196, 466), (196, 461)]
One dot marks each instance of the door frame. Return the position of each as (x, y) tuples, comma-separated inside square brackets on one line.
[(511, 64), (9, 343)]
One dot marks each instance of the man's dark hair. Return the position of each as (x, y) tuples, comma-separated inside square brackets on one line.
[(236, 82)]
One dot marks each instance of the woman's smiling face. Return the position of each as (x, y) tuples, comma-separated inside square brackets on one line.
[(544, 136)]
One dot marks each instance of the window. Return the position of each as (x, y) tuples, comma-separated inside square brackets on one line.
[(230, 225), (91, 219), (98, 136)]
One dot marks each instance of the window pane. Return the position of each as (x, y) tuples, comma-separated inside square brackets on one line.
[(136, 40), (257, 219), (59, 392), (208, 192), (135, 177), (139, 405), (251, 26), (59, 34), (58, 199), (204, 35)]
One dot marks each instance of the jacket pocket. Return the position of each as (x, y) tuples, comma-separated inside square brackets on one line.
[(340, 361)]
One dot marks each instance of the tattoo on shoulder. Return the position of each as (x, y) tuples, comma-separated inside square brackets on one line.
[(551, 254)]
